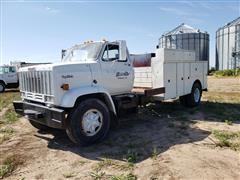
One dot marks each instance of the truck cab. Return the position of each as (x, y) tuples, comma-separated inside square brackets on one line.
[(109, 65), (92, 75), (8, 77), (87, 91)]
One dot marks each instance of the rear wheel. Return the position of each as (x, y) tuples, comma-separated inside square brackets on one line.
[(39, 126), (2, 87), (89, 122), (194, 98), (183, 100)]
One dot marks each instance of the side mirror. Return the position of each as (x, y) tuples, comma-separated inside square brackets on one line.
[(122, 51)]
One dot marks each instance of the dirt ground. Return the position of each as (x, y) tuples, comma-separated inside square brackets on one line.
[(162, 141)]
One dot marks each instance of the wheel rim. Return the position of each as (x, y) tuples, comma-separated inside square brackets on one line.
[(196, 95), (1, 87), (92, 122)]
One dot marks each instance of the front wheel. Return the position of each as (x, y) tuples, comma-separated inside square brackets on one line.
[(89, 122), (2, 87)]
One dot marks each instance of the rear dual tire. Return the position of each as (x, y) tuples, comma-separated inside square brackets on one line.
[(89, 122)]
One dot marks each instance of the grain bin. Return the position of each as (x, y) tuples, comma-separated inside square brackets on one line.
[(228, 46), (188, 38)]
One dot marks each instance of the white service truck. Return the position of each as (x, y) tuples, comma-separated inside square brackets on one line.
[(96, 82), (8, 77)]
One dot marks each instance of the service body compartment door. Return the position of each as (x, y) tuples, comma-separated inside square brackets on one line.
[(180, 79), (186, 79), (170, 80), (205, 65), (196, 69)]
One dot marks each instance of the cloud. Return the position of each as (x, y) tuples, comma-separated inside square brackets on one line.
[(52, 10), (174, 10)]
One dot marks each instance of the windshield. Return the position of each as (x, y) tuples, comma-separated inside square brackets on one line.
[(83, 52)]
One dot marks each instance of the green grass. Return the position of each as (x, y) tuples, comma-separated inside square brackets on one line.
[(226, 73), (222, 111), (5, 134), (109, 163), (131, 156), (105, 163), (9, 117), (222, 97), (125, 177), (6, 99), (228, 122), (8, 166), (228, 139), (154, 153), (97, 175)]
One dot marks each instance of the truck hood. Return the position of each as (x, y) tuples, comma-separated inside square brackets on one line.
[(50, 67)]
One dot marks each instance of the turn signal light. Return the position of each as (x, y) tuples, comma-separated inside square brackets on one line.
[(65, 87)]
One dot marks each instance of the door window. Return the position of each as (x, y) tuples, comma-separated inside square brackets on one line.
[(111, 52), (12, 69), (6, 70)]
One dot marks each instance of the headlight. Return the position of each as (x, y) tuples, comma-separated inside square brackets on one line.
[(49, 99)]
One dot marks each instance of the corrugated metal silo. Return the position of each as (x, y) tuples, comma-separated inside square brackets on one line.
[(189, 38), (228, 46)]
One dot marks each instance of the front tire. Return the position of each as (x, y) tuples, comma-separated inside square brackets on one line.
[(89, 122), (2, 87)]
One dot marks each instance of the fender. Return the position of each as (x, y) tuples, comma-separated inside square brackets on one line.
[(70, 97), (3, 80)]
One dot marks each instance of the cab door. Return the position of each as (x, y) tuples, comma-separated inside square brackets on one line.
[(10, 75), (117, 75)]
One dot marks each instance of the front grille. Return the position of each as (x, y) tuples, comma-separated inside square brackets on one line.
[(37, 82)]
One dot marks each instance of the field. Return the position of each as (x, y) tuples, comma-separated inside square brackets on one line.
[(162, 141)]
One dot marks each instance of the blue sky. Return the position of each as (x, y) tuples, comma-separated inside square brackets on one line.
[(36, 31)]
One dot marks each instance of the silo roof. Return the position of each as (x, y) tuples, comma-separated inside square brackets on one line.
[(232, 23), (183, 28)]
